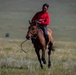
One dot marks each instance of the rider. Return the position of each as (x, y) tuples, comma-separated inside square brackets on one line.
[(43, 19)]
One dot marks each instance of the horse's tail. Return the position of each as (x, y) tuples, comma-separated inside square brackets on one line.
[(50, 34)]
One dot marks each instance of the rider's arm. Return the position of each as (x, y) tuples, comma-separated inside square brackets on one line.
[(47, 20)]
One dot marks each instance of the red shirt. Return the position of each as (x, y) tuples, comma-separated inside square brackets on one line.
[(42, 17)]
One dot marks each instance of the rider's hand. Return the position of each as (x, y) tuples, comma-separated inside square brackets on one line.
[(38, 22)]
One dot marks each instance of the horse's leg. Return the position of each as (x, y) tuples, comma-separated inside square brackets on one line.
[(49, 53), (49, 61), (43, 56), (38, 55)]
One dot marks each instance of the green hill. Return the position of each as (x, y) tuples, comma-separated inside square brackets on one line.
[(14, 16)]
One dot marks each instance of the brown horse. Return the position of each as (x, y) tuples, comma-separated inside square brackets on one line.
[(37, 36)]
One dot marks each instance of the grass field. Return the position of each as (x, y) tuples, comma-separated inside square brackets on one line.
[(13, 61), (14, 16)]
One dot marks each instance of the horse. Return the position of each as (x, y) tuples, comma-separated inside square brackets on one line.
[(36, 35)]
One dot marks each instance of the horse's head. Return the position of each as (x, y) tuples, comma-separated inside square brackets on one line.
[(32, 30)]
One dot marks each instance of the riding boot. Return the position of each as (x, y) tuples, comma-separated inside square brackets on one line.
[(47, 40)]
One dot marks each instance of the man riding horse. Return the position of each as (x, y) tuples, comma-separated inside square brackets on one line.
[(43, 19), (40, 35)]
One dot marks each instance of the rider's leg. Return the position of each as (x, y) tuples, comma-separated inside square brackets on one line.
[(46, 35), (44, 28)]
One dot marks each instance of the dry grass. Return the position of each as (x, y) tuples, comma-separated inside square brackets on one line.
[(13, 61)]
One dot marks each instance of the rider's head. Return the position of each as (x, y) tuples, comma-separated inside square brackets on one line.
[(45, 7)]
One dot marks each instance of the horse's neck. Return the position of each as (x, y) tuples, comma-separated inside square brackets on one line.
[(40, 31)]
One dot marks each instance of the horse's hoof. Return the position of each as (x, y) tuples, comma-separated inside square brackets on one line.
[(44, 62), (49, 65), (41, 67)]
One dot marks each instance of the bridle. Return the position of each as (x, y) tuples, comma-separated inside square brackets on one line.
[(35, 36)]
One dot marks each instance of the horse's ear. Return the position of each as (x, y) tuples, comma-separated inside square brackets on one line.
[(36, 23), (29, 22)]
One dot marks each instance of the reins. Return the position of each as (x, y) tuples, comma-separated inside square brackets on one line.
[(35, 37), (22, 44)]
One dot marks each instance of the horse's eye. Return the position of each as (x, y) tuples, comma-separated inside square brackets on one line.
[(32, 28)]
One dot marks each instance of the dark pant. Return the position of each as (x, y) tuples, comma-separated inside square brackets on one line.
[(44, 28)]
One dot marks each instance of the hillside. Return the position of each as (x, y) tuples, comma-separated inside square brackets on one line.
[(14, 16)]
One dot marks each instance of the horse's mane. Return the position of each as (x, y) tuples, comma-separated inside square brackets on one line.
[(33, 23)]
